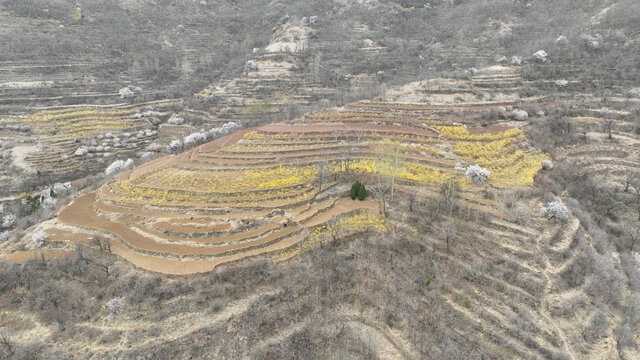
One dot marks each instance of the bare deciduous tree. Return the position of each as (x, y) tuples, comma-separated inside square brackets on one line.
[(5, 340), (629, 178), (608, 125), (633, 232), (447, 229), (323, 171), (449, 190)]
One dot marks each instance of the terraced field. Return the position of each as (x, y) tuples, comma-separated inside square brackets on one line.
[(280, 188), (104, 133)]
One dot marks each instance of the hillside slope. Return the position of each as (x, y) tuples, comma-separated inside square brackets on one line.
[(249, 246)]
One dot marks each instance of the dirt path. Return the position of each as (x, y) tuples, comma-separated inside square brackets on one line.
[(383, 342), (222, 142), (118, 209), (379, 339), (544, 303), (192, 226), (174, 327), (28, 255)]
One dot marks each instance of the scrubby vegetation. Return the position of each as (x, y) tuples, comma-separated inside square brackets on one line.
[(185, 179)]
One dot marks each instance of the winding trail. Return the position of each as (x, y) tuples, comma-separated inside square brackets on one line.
[(544, 303)]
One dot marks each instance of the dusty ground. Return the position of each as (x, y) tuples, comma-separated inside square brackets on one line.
[(20, 153)]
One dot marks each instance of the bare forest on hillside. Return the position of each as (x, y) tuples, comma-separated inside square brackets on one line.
[(342, 179)]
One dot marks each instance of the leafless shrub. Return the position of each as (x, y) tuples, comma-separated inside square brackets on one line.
[(598, 324), (632, 309), (625, 336), (576, 272), (631, 267), (110, 337), (569, 307), (606, 282)]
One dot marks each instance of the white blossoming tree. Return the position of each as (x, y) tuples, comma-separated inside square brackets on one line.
[(176, 119), (194, 138), (516, 60), (38, 238), (48, 202), (9, 221), (118, 166), (81, 151), (541, 55), (129, 91), (251, 65), (477, 174), (520, 115), (555, 210), (176, 145), (115, 306)]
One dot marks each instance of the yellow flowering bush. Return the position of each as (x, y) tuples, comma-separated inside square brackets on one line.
[(202, 180), (461, 133), (509, 165), (343, 226), (489, 153), (125, 191), (405, 146), (86, 120), (519, 173), (411, 172), (256, 135), (587, 119)]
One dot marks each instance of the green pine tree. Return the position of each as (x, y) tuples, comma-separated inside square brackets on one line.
[(354, 191), (362, 192)]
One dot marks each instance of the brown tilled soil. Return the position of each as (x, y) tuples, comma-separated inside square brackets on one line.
[(56, 234), (140, 248), (31, 255), (275, 128), (193, 226)]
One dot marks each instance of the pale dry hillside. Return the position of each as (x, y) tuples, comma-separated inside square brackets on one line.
[(232, 233)]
